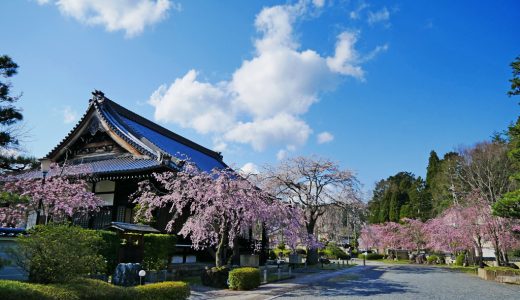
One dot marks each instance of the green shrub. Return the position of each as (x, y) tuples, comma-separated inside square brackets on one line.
[(459, 261), (215, 277), (371, 256), (285, 252), (272, 255), (59, 253), (16, 290), (171, 290), (244, 278), (432, 259), (515, 253), (157, 249), (110, 249), (332, 251), (90, 289)]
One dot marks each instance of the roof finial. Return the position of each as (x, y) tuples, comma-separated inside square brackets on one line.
[(98, 95)]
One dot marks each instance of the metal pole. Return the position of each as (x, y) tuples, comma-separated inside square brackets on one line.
[(279, 274), (265, 275)]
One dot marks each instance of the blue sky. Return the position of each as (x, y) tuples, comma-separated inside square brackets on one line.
[(374, 85)]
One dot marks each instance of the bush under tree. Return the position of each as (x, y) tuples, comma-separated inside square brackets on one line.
[(216, 277), (244, 278), (59, 253)]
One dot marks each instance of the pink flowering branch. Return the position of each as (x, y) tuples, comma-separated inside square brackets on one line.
[(219, 206)]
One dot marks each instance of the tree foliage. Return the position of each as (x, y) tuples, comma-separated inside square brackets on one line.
[(10, 115), (59, 198), (220, 205), (59, 253), (515, 81), (314, 184), (399, 196)]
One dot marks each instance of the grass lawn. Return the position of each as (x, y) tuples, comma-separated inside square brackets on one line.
[(192, 280), (397, 262), (468, 269)]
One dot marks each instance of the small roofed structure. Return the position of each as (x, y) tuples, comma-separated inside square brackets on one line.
[(132, 235), (132, 228)]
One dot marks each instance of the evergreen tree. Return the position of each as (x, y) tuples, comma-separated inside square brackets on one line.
[(432, 169), (515, 81), (509, 205), (397, 197), (9, 116)]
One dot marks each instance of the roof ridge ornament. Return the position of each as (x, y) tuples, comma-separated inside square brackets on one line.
[(98, 96)]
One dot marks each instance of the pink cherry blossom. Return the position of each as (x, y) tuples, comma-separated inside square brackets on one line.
[(58, 197), (220, 205)]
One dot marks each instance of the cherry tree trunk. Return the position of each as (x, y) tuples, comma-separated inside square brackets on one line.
[(220, 256), (312, 253)]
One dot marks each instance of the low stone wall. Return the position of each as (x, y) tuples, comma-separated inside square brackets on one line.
[(499, 276), (486, 274), (508, 279)]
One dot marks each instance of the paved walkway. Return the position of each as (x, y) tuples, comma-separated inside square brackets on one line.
[(377, 281)]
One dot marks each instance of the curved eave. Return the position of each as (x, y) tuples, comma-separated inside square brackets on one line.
[(55, 152), (141, 147)]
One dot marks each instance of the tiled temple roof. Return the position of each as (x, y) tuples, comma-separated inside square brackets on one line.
[(101, 168), (154, 143)]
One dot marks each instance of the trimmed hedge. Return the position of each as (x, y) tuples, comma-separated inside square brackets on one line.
[(90, 289), (110, 249), (171, 290), (157, 249), (246, 278)]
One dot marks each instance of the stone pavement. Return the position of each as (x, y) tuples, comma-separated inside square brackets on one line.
[(375, 281), (271, 290)]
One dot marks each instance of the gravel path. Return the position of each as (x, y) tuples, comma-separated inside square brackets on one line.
[(403, 282)]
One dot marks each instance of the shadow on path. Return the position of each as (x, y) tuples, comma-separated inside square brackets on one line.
[(367, 283)]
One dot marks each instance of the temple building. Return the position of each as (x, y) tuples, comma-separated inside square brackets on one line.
[(117, 148)]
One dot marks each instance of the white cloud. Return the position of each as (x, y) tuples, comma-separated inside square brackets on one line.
[(382, 15), (249, 169), (345, 60), (355, 14), (282, 129), (10, 152), (263, 102), (191, 103), (325, 137), (69, 115), (131, 16), (281, 154), (318, 3), (219, 145)]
